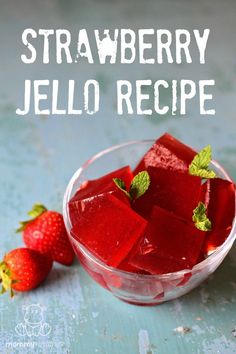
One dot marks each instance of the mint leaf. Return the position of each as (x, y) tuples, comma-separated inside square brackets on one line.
[(200, 164), (203, 173), (139, 185), (121, 185), (200, 218)]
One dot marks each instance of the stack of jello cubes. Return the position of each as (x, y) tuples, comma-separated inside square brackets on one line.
[(158, 232)]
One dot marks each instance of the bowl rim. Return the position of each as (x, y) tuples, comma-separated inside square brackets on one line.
[(196, 268)]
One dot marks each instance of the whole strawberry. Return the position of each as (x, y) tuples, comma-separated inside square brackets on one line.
[(23, 269), (46, 233)]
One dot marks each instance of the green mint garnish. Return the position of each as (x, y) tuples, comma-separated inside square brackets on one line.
[(139, 185), (200, 164), (200, 219), (121, 185)]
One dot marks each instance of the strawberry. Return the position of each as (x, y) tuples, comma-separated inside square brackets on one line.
[(46, 233), (23, 269)]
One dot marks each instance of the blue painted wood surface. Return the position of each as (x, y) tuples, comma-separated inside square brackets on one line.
[(39, 155)]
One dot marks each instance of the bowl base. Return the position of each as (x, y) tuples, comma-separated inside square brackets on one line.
[(137, 303)]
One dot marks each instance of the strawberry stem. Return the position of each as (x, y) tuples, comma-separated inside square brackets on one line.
[(5, 279), (37, 210)]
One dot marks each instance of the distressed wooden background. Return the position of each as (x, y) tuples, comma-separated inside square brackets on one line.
[(39, 155)]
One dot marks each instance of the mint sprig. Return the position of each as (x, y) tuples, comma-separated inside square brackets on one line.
[(200, 218), (139, 185), (200, 164), (121, 185)]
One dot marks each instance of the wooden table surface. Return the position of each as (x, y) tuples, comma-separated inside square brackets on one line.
[(38, 155)]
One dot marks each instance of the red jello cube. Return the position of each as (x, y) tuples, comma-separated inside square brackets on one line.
[(220, 210), (170, 243), (205, 193), (154, 264), (127, 267), (100, 186), (77, 207), (172, 190), (167, 152), (214, 239), (108, 228), (103, 184), (221, 207)]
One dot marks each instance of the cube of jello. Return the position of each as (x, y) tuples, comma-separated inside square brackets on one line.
[(221, 211), (167, 152), (172, 190), (152, 263), (214, 239), (98, 186), (103, 184), (169, 244), (221, 207), (108, 228)]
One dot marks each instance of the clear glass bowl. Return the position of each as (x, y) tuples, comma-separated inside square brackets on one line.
[(134, 288)]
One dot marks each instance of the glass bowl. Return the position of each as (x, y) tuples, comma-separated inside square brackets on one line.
[(140, 289)]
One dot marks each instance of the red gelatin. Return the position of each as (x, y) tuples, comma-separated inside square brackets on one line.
[(77, 207), (99, 186), (108, 228), (170, 244), (185, 279), (103, 184), (174, 191), (221, 207), (205, 193), (221, 211), (127, 267), (97, 276), (167, 152), (154, 264), (214, 239)]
